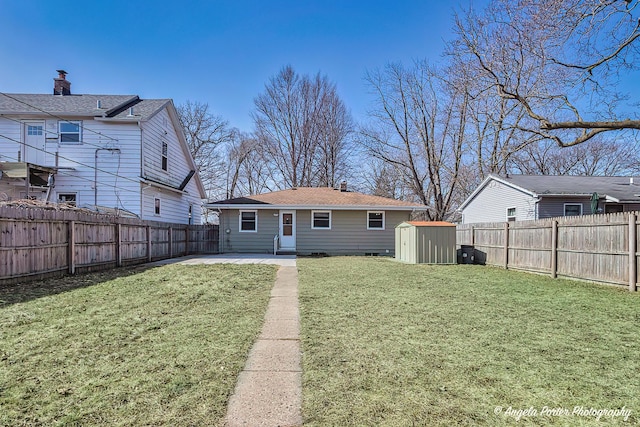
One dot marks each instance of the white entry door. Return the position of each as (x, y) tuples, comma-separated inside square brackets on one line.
[(34, 143), (287, 229)]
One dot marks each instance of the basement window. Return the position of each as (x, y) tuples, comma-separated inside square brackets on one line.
[(67, 198), (70, 132)]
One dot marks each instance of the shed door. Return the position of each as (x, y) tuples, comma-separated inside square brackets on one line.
[(405, 244)]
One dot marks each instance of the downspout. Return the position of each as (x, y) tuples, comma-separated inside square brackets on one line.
[(142, 171), (95, 172)]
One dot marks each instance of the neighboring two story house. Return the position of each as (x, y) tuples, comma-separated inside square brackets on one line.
[(529, 197), (98, 151)]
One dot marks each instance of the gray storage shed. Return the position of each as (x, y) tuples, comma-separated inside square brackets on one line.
[(426, 242)]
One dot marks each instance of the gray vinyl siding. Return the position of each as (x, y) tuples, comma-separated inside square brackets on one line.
[(492, 202), (551, 207), (348, 234), (232, 240)]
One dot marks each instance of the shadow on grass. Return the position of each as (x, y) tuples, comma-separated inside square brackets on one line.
[(23, 292)]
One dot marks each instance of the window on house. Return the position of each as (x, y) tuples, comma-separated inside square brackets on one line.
[(511, 214), (165, 151), (70, 132), (375, 220), (68, 198), (321, 220), (572, 209), (248, 221), (34, 130), (157, 206)]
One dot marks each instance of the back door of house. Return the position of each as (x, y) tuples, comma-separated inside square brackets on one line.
[(288, 229), (34, 142)]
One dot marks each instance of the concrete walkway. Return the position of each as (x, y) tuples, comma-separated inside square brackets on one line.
[(269, 389)]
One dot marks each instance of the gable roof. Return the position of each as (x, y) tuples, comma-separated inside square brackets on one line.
[(112, 107), (620, 189), (315, 198)]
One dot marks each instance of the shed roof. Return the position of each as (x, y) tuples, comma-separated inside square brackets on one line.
[(431, 223)]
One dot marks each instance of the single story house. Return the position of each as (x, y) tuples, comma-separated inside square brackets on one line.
[(309, 221), (529, 197)]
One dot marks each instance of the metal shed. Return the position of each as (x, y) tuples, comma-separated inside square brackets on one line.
[(426, 242)]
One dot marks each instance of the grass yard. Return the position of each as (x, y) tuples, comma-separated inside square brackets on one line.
[(161, 346), (393, 344)]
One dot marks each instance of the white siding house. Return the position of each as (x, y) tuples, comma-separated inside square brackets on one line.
[(528, 197), (106, 152)]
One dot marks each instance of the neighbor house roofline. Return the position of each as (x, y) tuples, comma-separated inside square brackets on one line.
[(267, 206), (485, 182)]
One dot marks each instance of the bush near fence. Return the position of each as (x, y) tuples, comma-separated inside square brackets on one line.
[(600, 248), (37, 242)]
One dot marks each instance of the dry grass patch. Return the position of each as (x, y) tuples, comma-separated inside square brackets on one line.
[(161, 346), (393, 344)]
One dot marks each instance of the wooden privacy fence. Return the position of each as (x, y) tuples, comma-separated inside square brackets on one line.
[(600, 248), (37, 242)]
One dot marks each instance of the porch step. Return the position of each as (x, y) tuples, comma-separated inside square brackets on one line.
[(285, 252)]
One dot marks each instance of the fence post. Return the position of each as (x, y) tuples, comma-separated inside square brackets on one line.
[(506, 245), (554, 249), (148, 243), (72, 247), (118, 245), (632, 252), (473, 236), (186, 240), (170, 242)]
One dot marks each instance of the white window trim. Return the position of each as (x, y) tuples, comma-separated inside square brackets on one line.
[(514, 216), (255, 230), (564, 210), (383, 221), (77, 122), (163, 156), (159, 213), (313, 227)]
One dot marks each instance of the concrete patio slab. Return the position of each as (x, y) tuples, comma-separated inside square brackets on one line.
[(282, 260)]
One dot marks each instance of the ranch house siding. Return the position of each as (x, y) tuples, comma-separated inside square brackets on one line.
[(232, 240), (491, 203), (348, 234)]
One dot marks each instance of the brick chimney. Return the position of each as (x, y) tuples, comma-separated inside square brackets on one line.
[(61, 86), (343, 186)]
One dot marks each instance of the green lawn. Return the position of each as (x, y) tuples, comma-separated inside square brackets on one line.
[(393, 344), (161, 346)]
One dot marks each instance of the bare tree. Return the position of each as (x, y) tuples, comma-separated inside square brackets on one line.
[(593, 157), (206, 133), (247, 171), (419, 127), (302, 126), (560, 60)]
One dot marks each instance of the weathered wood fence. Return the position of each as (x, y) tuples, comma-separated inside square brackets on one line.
[(600, 248), (36, 243)]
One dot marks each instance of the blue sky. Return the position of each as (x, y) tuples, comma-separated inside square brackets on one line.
[(218, 52)]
